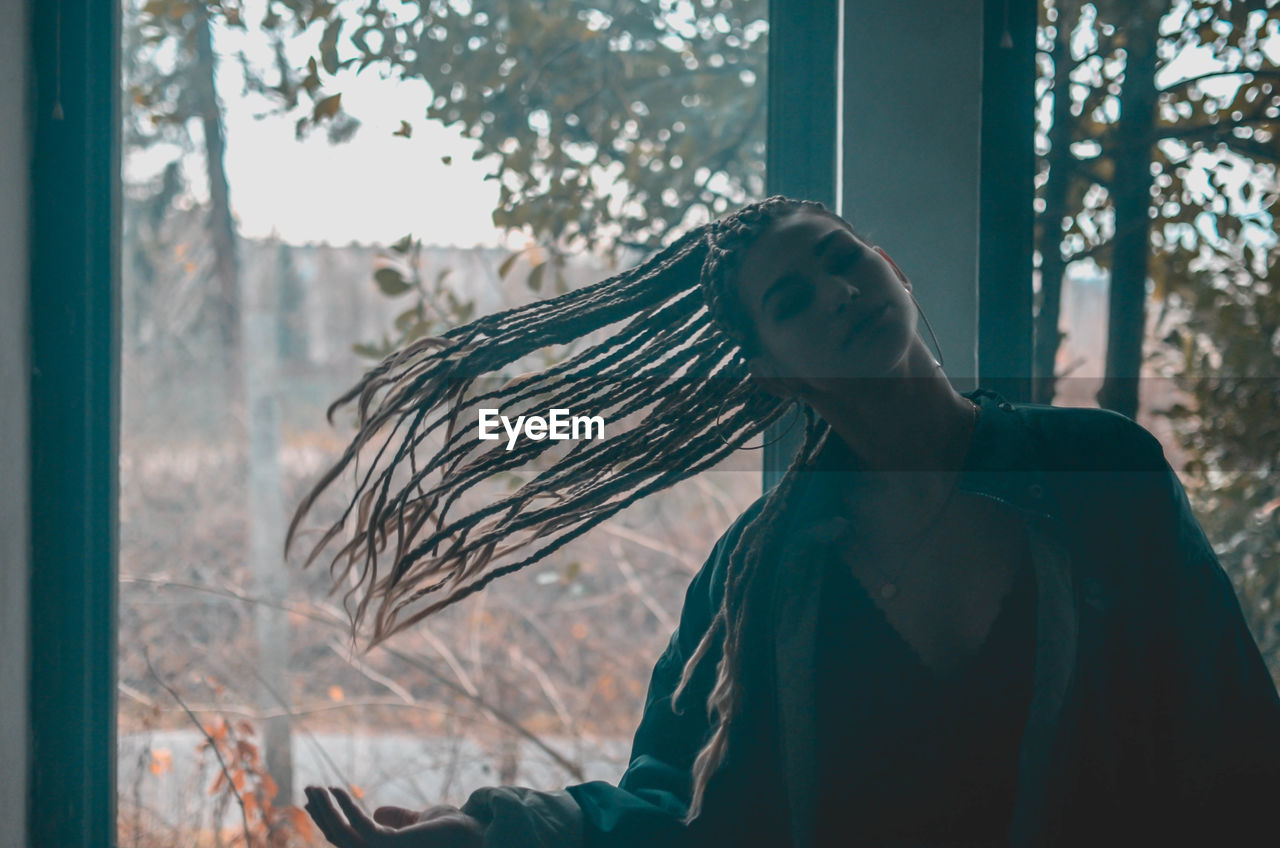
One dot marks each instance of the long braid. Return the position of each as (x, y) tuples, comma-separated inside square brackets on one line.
[(678, 362), (732, 619), (730, 242)]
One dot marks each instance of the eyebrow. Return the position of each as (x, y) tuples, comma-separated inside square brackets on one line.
[(786, 279)]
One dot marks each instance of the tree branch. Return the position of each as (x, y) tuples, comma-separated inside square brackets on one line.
[(334, 621), (1265, 73), (226, 773)]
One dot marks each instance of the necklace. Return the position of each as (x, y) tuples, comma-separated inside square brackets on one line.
[(888, 589)]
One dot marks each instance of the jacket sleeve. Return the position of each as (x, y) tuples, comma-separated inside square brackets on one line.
[(1216, 709), (645, 808)]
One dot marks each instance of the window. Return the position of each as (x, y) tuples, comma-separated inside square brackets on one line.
[(268, 263)]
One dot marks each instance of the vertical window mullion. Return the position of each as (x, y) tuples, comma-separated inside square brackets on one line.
[(73, 319), (801, 148)]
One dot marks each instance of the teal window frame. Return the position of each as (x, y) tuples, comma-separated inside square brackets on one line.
[(74, 320)]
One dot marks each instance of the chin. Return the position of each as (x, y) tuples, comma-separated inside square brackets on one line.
[(877, 357)]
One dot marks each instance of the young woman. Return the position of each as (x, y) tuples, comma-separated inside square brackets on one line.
[(955, 621)]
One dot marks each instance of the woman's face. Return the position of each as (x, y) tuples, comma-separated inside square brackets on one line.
[(826, 308)]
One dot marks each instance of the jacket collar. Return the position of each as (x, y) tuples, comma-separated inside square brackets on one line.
[(1004, 462)]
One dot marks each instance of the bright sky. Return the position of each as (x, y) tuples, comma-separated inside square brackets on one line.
[(376, 187)]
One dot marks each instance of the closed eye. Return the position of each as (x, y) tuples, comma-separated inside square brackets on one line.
[(848, 261), (797, 294)]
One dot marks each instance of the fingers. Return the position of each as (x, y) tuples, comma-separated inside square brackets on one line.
[(441, 826), (365, 826), (330, 821)]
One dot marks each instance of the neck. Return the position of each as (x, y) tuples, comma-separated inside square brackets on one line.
[(914, 422)]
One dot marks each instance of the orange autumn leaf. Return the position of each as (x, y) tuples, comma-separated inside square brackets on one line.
[(247, 751), (161, 760), (301, 822)]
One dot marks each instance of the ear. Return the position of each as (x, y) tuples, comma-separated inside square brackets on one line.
[(896, 269)]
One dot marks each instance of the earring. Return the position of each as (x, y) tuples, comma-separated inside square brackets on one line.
[(929, 327), (794, 418)]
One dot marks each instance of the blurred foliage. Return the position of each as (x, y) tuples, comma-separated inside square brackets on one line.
[(584, 105), (434, 306), (1214, 148), (243, 777), (587, 111), (1191, 202), (1228, 350)]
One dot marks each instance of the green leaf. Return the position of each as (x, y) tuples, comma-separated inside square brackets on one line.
[(403, 245), (366, 350), (391, 282), (329, 45), (535, 277), (407, 319), (505, 267)]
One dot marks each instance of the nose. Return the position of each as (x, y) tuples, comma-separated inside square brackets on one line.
[(845, 294)]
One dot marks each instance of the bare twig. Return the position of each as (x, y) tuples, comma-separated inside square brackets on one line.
[(226, 773), (638, 588), (548, 688), (1261, 73), (651, 543), (714, 494), (381, 679), (449, 657), (333, 620), (288, 710)]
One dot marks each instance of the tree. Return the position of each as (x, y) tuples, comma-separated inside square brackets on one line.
[(1124, 155), (583, 105), (170, 75), (1135, 178)]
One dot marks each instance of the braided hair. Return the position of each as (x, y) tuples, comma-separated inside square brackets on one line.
[(678, 362)]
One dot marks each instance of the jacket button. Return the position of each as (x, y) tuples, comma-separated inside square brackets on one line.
[(1035, 490)]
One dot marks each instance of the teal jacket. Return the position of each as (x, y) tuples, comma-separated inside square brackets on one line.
[(1153, 718)]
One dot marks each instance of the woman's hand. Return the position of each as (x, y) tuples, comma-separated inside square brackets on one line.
[(441, 826)]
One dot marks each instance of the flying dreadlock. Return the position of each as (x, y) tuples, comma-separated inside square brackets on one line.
[(679, 360)]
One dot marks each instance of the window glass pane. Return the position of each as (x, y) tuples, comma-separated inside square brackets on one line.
[(1163, 263), (308, 187)]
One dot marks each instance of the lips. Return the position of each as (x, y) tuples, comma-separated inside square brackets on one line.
[(866, 321)]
